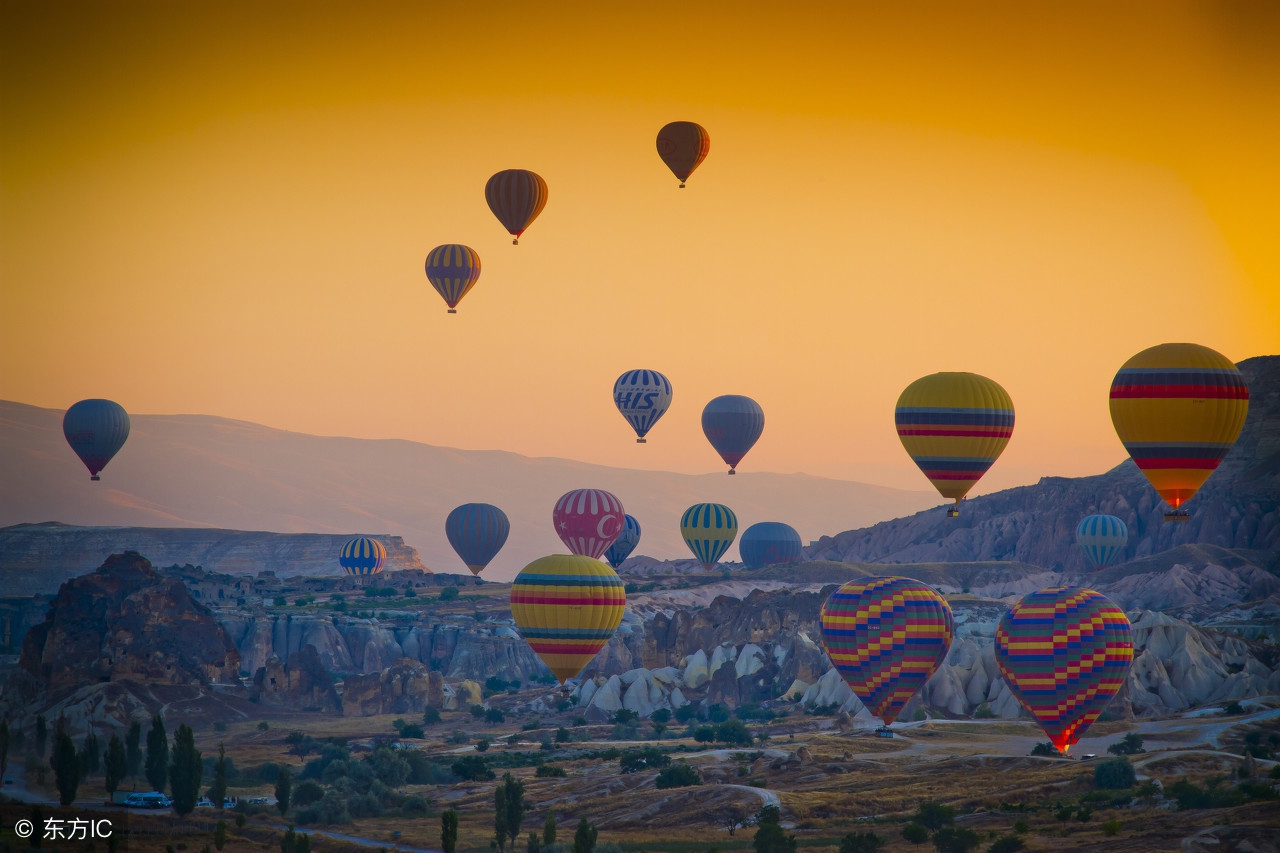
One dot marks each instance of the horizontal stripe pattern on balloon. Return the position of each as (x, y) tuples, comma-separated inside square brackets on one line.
[(588, 520), (477, 532), (362, 556), (1064, 652), (453, 269), (708, 529), (1178, 409), (567, 607), (1103, 538), (886, 636), (642, 396)]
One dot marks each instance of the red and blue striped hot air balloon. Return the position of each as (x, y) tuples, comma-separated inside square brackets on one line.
[(954, 426), (477, 533), (733, 424), (96, 430), (567, 607), (362, 556), (453, 269), (516, 197), (588, 520), (886, 636), (1064, 653), (626, 542), (1178, 409)]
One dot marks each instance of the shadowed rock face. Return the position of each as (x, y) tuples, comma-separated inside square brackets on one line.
[(1239, 507), (127, 622)]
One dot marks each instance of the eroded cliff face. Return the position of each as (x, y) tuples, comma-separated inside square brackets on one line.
[(127, 622)]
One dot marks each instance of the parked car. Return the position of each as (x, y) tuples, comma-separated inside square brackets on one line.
[(204, 803), (153, 800)]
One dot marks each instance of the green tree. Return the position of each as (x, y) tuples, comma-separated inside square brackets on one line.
[(933, 815), (449, 831), (861, 842), (771, 839), (677, 776), (500, 815), (1021, 827), (185, 771), (549, 829), (218, 793), (1130, 744), (90, 755), (66, 767), (42, 735), (1045, 749), (956, 839), (584, 840), (535, 843), (734, 732), (493, 716), (431, 716), (133, 749), (284, 788), (115, 765), (515, 807), (1116, 773), (157, 768), (220, 834), (4, 747), (915, 833), (1006, 844)]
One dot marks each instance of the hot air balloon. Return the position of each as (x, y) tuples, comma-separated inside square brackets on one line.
[(453, 269), (362, 556), (768, 542), (96, 430), (886, 636), (682, 145), (1178, 409), (732, 424), (567, 608), (625, 543), (954, 426), (477, 533), (1064, 653), (516, 197), (642, 396), (1103, 538), (588, 520), (708, 530)]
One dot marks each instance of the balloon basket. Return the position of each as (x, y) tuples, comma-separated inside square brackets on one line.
[(1177, 516), (453, 310), (884, 731), (682, 185), (953, 513), (515, 242), (641, 441), (732, 472), (95, 478)]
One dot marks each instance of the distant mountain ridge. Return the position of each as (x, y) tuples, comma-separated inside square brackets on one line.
[(1238, 508), (195, 471)]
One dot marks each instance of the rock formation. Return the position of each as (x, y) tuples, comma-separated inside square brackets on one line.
[(301, 683)]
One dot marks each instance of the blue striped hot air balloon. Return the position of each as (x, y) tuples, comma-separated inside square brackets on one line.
[(732, 424), (1103, 538), (642, 396), (96, 430), (453, 269), (708, 529), (625, 543), (768, 542), (477, 532), (362, 556)]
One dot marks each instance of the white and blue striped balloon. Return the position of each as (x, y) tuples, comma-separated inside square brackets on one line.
[(642, 396), (1103, 538)]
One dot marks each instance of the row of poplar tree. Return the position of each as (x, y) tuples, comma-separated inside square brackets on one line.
[(509, 806)]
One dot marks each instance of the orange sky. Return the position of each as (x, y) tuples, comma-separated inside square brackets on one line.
[(224, 209)]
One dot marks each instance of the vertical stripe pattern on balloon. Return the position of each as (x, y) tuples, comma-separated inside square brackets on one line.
[(1103, 538), (886, 636), (642, 396), (588, 520), (516, 197), (708, 529), (362, 556), (625, 543), (453, 269), (1065, 653), (477, 533)]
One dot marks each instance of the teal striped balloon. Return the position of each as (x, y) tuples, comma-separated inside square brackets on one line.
[(708, 530), (1103, 538)]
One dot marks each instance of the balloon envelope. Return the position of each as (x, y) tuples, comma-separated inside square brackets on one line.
[(96, 430), (886, 636), (1064, 652), (362, 556), (1103, 538), (954, 426), (732, 424), (683, 145), (768, 542), (588, 520), (477, 533), (1178, 409), (567, 607), (453, 269), (642, 396), (625, 543), (708, 529), (516, 197)]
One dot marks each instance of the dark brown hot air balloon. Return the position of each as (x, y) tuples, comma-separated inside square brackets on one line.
[(682, 145), (516, 197)]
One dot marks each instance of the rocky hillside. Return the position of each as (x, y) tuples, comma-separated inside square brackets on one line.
[(36, 558), (1239, 507)]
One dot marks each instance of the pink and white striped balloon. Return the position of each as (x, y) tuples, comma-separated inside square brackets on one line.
[(588, 520)]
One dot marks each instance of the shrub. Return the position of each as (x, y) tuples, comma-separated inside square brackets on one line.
[(1111, 828), (933, 815), (1046, 749), (1064, 813), (412, 730), (915, 833), (686, 713), (1083, 814), (1006, 844), (1233, 709), (449, 593), (431, 716), (494, 716), (678, 776), (1022, 827), (625, 716), (478, 711), (482, 745), (704, 734), (984, 712), (645, 758), (861, 842), (955, 839), (717, 713), (415, 805), (306, 792), (472, 768), (1116, 773), (549, 771), (1131, 744)]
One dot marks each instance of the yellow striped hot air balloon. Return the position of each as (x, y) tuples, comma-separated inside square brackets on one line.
[(954, 426), (567, 607), (708, 529), (1178, 408)]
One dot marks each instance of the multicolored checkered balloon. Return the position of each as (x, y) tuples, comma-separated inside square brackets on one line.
[(1064, 652), (886, 636)]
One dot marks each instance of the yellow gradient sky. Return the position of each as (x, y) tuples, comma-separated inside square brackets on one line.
[(223, 208)]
